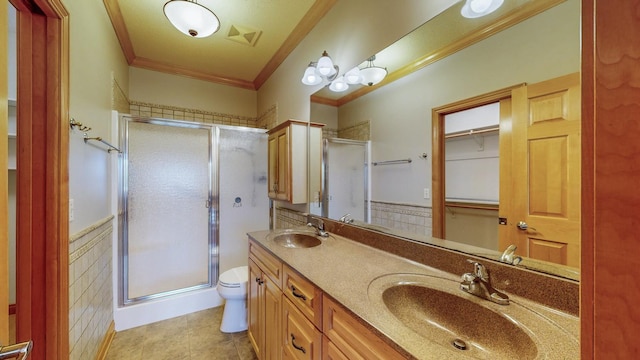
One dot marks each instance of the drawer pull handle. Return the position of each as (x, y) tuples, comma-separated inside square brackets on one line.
[(299, 348), (301, 296)]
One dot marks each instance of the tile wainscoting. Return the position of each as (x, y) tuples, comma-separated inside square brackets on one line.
[(413, 219), (90, 289)]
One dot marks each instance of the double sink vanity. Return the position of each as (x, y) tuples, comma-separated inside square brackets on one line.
[(347, 293)]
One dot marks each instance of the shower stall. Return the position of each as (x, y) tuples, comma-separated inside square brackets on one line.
[(188, 194), (346, 173)]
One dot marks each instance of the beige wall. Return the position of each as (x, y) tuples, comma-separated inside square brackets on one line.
[(158, 88), (540, 48), (95, 59), (325, 114), (350, 32)]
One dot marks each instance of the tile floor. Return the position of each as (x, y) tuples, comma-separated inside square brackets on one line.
[(194, 336)]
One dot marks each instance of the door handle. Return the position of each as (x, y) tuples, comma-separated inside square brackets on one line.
[(524, 226), (18, 351)]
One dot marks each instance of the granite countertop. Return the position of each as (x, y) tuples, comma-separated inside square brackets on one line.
[(346, 270)]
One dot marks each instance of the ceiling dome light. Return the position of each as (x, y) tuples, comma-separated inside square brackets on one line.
[(477, 8), (372, 74), (311, 76), (191, 18), (338, 85)]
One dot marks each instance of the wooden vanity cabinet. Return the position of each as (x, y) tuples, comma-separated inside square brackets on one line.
[(301, 317), (264, 303), (351, 339), (300, 338), (288, 164), (291, 318)]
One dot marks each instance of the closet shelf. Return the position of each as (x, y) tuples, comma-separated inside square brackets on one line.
[(472, 132)]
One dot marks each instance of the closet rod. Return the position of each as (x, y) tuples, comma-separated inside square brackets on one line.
[(98, 138), (472, 132), (389, 162)]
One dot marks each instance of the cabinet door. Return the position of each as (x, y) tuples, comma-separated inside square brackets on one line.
[(255, 324), (300, 339), (272, 174), (284, 168), (272, 318)]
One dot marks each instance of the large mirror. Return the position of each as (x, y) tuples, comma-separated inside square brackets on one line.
[(448, 60)]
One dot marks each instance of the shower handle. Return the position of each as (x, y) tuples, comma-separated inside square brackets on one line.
[(207, 204)]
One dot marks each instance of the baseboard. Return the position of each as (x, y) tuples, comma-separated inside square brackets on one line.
[(106, 342), (12, 309)]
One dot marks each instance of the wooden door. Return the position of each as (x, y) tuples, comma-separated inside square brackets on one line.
[(546, 162), (4, 211), (253, 293)]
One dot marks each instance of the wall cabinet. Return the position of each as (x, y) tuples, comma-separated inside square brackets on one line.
[(264, 303), (289, 166)]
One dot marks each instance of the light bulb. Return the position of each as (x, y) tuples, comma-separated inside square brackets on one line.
[(353, 76), (310, 76), (325, 65), (338, 85), (480, 6)]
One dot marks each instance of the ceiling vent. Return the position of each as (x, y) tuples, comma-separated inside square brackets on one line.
[(244, 35)]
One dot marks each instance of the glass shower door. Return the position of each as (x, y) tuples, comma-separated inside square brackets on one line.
[(167, 236), (346, 188)]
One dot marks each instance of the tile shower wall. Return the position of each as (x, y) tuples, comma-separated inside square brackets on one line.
[(90, 289), (405, 217), (137, 108), (360, 131), (287, 218), (329, 133)]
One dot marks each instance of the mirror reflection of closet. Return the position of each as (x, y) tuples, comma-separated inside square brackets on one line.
[(472, 175), (12, 134)]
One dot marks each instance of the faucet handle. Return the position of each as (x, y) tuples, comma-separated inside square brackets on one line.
[(479, 270)]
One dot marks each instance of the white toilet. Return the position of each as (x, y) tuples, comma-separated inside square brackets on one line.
[(232, 286)]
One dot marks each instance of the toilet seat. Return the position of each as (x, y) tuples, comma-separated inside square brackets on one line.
[(232, 287), (235, 277)]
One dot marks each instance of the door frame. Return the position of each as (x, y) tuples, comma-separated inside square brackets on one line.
[(42, 229), (437, 150)]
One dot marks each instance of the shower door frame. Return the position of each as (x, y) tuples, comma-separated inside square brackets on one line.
[(326, 170), (212, 202)]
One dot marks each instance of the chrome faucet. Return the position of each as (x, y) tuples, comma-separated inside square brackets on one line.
[(478, 283), (347, 219), (317, 224), (509, 256)]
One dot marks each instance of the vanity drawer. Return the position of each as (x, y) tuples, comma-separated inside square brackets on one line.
[(301, 340), (270, 265), (331, 352), (354, 340), (304, 295)]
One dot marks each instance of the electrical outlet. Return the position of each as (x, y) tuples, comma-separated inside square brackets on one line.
[(427, 195), (70, 210)]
